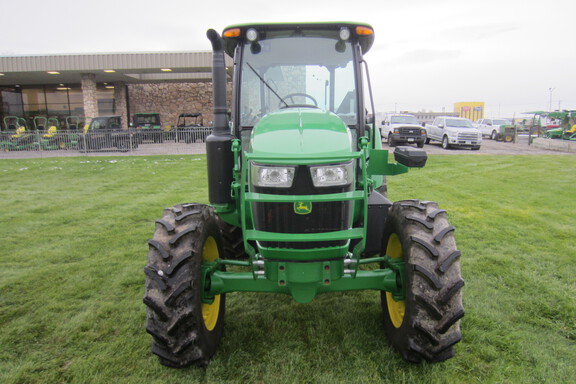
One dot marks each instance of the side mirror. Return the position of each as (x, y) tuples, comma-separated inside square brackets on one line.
[(441, 126), (410, 156)]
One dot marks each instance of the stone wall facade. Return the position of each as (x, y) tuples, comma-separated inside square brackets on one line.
[(121, 103), (89, 96), (172, 99)]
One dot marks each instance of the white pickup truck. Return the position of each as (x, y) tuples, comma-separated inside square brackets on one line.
[(454, 132), (402, 129), (491, 127)]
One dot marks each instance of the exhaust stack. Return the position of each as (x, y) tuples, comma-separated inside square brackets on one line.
[(219, 156)]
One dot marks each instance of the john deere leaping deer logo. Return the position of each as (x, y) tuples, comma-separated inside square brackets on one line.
[(302, 207)]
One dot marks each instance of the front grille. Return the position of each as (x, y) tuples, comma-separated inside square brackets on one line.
[(411, 132), (282, 218), (467, 136)]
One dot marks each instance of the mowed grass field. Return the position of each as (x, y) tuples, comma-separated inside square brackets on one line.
[(73, 247)]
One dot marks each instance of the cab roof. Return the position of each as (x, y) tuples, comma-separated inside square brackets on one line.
[(234, 34)]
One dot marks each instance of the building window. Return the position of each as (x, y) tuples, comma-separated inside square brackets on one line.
[(59, 100), (105, 100)]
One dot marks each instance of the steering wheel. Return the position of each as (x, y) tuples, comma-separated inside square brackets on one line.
[(290, 96)]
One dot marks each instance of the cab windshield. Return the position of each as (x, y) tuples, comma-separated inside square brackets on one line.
[(459, 123), (404, 120), (303, 71)]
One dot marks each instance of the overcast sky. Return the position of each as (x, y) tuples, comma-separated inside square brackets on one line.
[(427, 55)]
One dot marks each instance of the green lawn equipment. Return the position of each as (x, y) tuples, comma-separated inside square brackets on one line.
[(74, 123), (40, 123), (567, 125), (17, 137), (298, 204), (54, 138), (564, 128)]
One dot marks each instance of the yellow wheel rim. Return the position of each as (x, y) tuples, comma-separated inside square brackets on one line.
[(396, 309), (210, 312)]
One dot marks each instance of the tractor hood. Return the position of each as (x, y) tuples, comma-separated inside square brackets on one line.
[(301, 132)]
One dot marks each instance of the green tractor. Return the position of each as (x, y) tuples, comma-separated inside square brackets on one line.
[(298, 202)]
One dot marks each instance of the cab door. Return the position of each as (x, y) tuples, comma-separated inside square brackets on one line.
[(434, 130)]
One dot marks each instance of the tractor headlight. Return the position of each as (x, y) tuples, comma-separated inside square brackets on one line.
[(272, 176), (332, 175)]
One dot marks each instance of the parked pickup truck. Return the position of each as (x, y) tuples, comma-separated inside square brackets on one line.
[(400, 128), (105, 132), (454, 132), (491, 127)]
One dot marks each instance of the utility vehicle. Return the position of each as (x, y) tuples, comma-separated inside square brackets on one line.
[(105, 132), (298, 203), (190, 128), (148, 127)]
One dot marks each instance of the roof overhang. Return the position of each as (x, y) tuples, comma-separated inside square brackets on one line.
[(155, 67)]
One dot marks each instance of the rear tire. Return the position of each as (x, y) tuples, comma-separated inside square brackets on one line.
[(494, 135), (185, 331), (426, 325)]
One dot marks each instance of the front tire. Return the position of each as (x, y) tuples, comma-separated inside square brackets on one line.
[(184, 330), (445, 143), (426, 325)]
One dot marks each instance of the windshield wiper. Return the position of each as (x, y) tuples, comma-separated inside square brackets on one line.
[(267, 85)]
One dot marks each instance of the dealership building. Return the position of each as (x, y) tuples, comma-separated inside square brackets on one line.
[(91, 85)]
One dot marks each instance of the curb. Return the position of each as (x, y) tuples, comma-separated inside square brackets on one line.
[(555, 144)]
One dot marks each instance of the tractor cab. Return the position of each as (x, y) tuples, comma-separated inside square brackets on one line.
[(308, 72)]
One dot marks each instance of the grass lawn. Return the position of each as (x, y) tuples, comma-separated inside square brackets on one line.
[(73, 248)]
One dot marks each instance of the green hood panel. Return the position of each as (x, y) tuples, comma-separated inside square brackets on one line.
[(301, 132)]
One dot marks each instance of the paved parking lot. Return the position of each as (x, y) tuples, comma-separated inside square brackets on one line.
[(489, 147), (492, 147)]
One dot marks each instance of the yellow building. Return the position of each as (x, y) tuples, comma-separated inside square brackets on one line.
[(472, 110)]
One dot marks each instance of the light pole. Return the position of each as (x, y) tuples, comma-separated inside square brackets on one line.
[(550, 105)]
